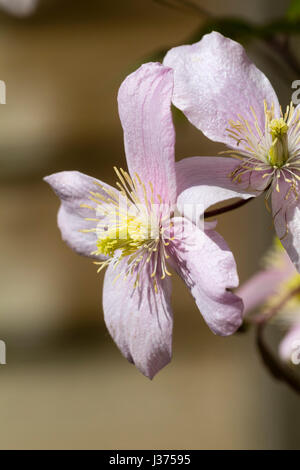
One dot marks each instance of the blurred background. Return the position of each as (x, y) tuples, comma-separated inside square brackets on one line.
[(66, 385)]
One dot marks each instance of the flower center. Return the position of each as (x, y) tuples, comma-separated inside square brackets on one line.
[(133, 227), (274, 150), (279, 152), (126, 233)]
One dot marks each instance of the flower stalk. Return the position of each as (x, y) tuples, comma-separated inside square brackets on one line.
[(276, 367)]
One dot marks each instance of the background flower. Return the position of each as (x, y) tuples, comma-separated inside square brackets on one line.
[(230, 100), (268, 288)]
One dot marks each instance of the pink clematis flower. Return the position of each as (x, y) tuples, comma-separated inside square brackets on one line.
[(267, 288), (224, 95), (93, 221)]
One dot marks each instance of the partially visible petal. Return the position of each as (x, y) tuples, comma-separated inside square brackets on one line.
[(19, 7), (289, 348), (293, 131), (207, 266), (206, 181), (263, 285), (295, 117), (139, 319), (286, 216), (214, 82), (74, 189), (145, 112)]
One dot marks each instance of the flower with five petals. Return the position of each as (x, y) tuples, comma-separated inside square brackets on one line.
[(132, 231)]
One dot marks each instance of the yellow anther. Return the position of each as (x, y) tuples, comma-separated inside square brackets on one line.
[(132, 228), (279, 152), (278, 127)]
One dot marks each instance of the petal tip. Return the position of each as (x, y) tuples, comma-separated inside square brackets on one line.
[(152, 371)]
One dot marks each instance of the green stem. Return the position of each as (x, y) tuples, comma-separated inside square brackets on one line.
[(277, 368)]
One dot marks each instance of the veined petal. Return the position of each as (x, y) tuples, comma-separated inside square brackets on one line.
[(207, 266), (286, 216), (214, 82), (295, 115), (206, 181), (290, 345), (145, 112), (139, 319), (74, 190)]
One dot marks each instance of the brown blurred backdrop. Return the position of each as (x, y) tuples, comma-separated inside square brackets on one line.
[(65, 384)]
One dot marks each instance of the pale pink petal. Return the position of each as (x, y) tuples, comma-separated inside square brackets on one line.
[(286, 215), (289, 348), (145, 112), (295, 116), (139, 320), (264, 284), (19, 7), (74, 189), (214, 82), (206, 181), (293, 131), (207, 266)]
